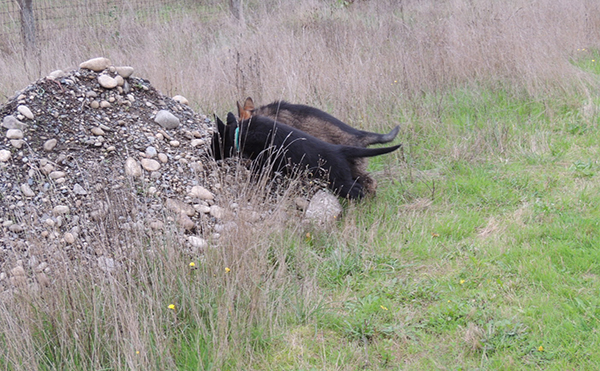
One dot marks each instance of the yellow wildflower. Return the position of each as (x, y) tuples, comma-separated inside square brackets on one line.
[(541, 348), (382, 307), (227, 270), (172, 306)]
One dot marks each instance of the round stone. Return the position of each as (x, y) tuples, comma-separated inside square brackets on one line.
[(96, 64), (107, 82), (166, 119), (50, 144), (14, 134), (150, 164), (133, 168), (25, 111)]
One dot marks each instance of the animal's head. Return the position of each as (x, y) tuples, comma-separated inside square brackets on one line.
[(226, 140), (247, 110)]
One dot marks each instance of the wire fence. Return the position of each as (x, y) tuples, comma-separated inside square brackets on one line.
[(51, 15)]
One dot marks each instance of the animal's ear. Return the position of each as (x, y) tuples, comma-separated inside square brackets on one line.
[(220, 126), (231, 120), (249, 104), (242, 113)]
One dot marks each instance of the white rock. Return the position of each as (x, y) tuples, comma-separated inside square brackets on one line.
[(133, 168), (56, 75), (79, 190), (96, 64), (124, 71), (14, 134), (197, 142), (201, 193), (181, 99), (151, 152), (11, 122), (150, 164), (25, 111), (27, 191), (69, 238), (17, 143), (106, 264), (4, 155), (197, 242), (217, 211), (98, 131), (107, 82), (120, 80), (163, 158), (324, 208), (57, 174), (179, 207), (60, 209), (166, 119), (50, 144)]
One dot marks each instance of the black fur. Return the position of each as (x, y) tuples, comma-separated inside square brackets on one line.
[(283, 148)]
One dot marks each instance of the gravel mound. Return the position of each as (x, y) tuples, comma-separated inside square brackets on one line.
[(97, 147)]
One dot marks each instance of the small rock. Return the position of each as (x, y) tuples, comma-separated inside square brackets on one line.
[(157, 225), (16, 228), (133, 168), (124, 71), (324, 208), (98, 131), (57, 174), (201, 193), (11, 122), (17, 143), (166, 119), (104, 104), (151, 152), (174, 143), (14, 134), (150, 164), (96, 64), (217, 211), (79, 190), (56, 75), (197, 142), (185, 222), (19, 276), (179, 207), (163, 158), (50, 144), (95, 104), (27, 191), (197, 242), (60, 209), (69, 238), (181, 99), (4, 155), (120, 80), (107, 82), (25, 111), (106, 264)]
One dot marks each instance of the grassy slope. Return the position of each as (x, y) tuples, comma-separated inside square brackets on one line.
[(479, 252)]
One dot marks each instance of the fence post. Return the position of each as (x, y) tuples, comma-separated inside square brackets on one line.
[(27, 25), (236, 7)]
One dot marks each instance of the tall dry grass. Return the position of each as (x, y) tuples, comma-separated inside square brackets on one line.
[(363, 62), (369, 63)]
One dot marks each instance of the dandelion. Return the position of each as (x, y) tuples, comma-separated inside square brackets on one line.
[(171, 306), (462, 282), (541, 349), (192, 265), (382, 307), (227, 270), (137, 352)]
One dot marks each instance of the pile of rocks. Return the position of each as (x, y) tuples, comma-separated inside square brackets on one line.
[(75, 146), (87, 154)]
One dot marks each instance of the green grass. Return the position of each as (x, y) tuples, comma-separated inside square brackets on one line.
[(499, 271)]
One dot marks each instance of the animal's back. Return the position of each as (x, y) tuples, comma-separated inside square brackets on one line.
[(314, 121)]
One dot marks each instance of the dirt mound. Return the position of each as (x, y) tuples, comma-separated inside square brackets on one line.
[(83, 149)]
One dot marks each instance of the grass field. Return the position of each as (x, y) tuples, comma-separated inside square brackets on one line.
[(481, 250)]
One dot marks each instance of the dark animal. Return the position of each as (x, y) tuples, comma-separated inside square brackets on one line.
[(323, 126), (283, 148)]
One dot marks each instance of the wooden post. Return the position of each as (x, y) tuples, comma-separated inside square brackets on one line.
[(27, 25), (236, 7)]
